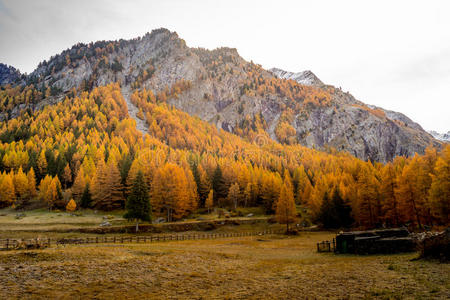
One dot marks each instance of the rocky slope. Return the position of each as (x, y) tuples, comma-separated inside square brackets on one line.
[(234, 94), (367, 131), (305, 77), (445, 137), (8, 74)]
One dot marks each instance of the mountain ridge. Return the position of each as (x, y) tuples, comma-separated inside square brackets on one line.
[(9, 74), (234, 94), (445, 137), (305, 77)]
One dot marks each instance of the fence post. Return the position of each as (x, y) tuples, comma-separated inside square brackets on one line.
[(7, 244)]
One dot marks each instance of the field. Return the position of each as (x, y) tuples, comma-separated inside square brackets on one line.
[(264, 267), (41, 222), (267, 267)]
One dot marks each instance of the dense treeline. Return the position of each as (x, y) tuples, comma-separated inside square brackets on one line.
[(88, 149)]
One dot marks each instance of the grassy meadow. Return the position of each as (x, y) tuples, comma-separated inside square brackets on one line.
[(232, 268), (261, 267)]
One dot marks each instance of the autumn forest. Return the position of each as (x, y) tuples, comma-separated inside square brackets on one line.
[(86, 152), (267, 150)]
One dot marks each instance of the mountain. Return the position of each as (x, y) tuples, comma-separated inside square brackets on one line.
[(8, 74), (88, 120), (238, 96), (305, 77), (445, 137), (367, 131)]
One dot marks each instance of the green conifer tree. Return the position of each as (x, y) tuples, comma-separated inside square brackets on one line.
[(86, 198), (138, 203), (218, 185)]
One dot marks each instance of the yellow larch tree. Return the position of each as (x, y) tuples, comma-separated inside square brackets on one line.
[(7, 194), (286, 212)]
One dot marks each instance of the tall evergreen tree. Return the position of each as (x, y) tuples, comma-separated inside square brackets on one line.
[(138, 203), (343, 210), (218, 185), (327, 214), (198, 182), (86, 198), (334, 212)]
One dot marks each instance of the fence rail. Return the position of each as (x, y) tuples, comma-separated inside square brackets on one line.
[(9, 244), (327, 246)]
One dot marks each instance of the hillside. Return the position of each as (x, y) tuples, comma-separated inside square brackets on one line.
[(205, 126), (231, 93), (88, 144)]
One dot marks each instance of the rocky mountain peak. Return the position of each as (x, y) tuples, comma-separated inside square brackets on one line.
[(8, 74), (220, 87), (306, 77), (445, 137)]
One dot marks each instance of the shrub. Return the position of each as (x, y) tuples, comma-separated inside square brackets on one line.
[(71, 206)]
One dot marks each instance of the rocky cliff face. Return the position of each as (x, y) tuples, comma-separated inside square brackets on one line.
[(230, 92), (366, 131), (445, 137), (305, 77), (8, 74)]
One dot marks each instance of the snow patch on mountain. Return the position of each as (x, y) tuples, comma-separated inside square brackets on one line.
[(445, 137), (305, 77)]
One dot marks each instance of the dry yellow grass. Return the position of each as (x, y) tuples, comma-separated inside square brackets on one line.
[(244, 268), (44, 223), (42, 219)]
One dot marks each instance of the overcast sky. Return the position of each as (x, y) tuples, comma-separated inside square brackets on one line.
[(394, 54)]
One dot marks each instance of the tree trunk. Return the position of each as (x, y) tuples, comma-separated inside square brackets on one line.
[(137, 225)]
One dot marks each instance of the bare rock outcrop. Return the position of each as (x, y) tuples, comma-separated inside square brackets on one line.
[(217, 94)]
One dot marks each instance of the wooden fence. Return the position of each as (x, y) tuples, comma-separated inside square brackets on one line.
[(326, 246), (9, 244)]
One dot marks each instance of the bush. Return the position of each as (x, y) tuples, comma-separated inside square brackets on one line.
[(71, 206)]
